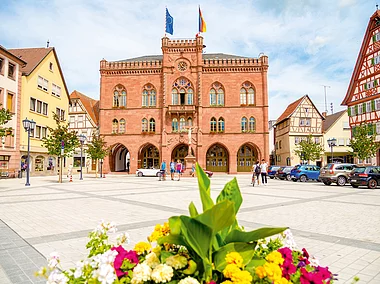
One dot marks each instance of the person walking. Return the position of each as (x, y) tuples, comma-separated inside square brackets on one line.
[(256, 170), (179, 169), (264, 171), (172, 169), (163, 170)]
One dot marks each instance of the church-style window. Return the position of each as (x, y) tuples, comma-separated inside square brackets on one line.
[(115, 126), (190, 96), (122, 126), (221, 124), (182, 124), (123, 99), (243, 96), (144, 125), (119, 96), (244, 126), (174, 97), (174, 125), (152, 125), (190, 122), (213, 125), (220, 97), (182, 92), (148, 96), (145, 98), (252, 124), (212, 97), (251, 96), (216, 94), (115, 99), (247, 94)]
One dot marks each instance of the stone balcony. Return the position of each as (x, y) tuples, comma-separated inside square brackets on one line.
[(181, 109)]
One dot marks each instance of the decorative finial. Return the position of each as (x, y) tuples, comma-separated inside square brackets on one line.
[(377, 7), (47, 44)]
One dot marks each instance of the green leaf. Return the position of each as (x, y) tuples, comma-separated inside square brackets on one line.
[(173, 239), (245, 250), (193, 210), (175, 225), (255, 262), (262, 233), (231, 192), (204, 188)]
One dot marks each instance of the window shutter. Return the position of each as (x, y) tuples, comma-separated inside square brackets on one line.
[(374, 38), (370, 129), (375, 82), (349, 111), (356, 110), (373, 105), (365, 86), (373, 61), (364, 107)]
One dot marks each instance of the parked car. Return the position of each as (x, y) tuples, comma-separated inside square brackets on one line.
[(304, 173), (367, 176), (272, 171), (284, 173), (153, 172), (337, 173)]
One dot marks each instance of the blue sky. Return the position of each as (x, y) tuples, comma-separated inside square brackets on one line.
[(309, 43)]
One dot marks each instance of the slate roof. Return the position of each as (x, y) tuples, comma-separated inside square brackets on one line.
[(91, 105), (204, 56), (331, 119)]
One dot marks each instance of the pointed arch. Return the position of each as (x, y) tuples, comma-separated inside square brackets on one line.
[(144, 125), (221, 124), (119, 96), (244, 124), (213, 126), (115, 126), (149, 95), (216, 94), (122, 126), (247, 94), (182, 92), (247, 156), (217, 158)]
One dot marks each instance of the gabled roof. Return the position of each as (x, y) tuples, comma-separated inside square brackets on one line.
[(375, 18), (331, 119), (91, 105), (12, 56), (292, 107), (204, 56), (33, 57)]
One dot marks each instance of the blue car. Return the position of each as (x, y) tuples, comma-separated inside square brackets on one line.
[(305, 172), (272, 170)]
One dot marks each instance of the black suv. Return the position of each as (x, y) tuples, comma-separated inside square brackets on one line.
[(365, 176)]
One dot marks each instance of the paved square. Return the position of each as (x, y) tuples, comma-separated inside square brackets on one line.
[(339, 225)]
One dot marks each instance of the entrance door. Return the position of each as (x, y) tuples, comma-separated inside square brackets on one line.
[(150, 157), (246, 158), (217, 159)]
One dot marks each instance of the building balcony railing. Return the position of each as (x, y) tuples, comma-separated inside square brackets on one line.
[(181, 109)]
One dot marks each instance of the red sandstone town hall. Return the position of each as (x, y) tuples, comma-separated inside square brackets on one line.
[(149, 104)]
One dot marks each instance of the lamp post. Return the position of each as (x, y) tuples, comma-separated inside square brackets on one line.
[(332, 143), (29, 126), (82, 138), (101, 167)]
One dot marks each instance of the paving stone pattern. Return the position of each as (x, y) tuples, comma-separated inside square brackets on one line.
[(339, 225)]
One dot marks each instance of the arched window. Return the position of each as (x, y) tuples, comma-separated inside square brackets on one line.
[(144, 125), (252, 124), (174, 125), (148, 96), (189, 122), (217, 94), (122, 126), (213, 124), (182, 92), (247, 94), (244, 124), (119, 96), (152, 125), (182, 124), (221, 124), (115, 126)]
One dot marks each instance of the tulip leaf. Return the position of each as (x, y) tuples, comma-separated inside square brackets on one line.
[(246, 251), (175, 225), (262, 233), (193, 210), (204, 188), (231, 192)]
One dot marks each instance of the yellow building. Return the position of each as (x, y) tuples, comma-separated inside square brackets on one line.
[(43, 92)]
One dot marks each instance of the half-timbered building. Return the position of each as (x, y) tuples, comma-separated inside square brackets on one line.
[(300, 119)]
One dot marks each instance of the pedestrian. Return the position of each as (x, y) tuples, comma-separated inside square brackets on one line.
[(192, 173), (172, 169), (264, 170), (163, 170), (179, 169), (128, 163), (256, 173)]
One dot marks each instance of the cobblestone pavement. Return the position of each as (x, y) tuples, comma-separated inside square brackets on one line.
[(339, 225)]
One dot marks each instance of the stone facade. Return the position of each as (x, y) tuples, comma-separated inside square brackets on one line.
[(149, 104)]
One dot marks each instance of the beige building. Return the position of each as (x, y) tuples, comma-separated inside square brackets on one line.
[(83, 118), (337, 126), (300, 119)]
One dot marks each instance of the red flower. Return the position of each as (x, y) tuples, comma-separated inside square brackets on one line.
[(305, 253), (324, 272), (286, 253), (288, 268), (310, 277), (123, 254)]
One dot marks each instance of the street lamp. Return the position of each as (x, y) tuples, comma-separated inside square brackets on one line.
[(82, 138), (101, 167), (29, 126), (332, 143)]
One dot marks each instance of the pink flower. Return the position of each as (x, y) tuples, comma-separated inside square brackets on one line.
[(123, 254), (305, 253), (288, 268), (212, 282), (286, 253), (324, 272), (310, 277)]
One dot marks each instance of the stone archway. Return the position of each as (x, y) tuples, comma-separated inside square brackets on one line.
[(217, 158), (119, 158), (180, 152), (149, 157), (246, 157)]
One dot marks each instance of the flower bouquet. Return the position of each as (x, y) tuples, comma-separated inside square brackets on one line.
[(208, 247)]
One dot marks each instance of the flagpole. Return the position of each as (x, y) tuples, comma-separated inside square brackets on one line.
[(165, 19)]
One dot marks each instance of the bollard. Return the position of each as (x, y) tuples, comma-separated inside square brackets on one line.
[(71, 178)]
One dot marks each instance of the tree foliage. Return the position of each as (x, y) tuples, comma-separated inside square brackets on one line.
[(363, 142), (55, 137), (97, 149), (5, 116), (308, 150)]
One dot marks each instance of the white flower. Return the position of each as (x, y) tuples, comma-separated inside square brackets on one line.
[(162, 273), (105, 274), (289, 240), (123, 239), (105, 227), (189, 280), (141, 273), (152, 260), (176, 261), (56, 277), (78, 269), (53, 260)]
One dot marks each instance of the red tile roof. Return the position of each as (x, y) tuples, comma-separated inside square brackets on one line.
[(289, 110), (33, 56), (91, 105), (12, 56)]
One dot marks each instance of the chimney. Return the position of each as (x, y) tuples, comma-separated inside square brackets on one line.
[(324, 114)]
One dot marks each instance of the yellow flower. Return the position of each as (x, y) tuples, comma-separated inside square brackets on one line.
[(159, 231), (242, 277), (281, 281), (227, 282), (177, 261), (273, 271), (230, 270), (275, 257), (260, 271), (142, 247), (234, 258)]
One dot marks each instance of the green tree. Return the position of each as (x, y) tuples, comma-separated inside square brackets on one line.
[(5, 116), (53, 141), (97, 149), (308, 150), (363, 142)]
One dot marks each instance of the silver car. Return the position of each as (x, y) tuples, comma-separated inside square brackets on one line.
[(336, 173)]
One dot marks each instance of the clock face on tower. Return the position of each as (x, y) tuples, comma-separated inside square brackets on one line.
[(182, 66)]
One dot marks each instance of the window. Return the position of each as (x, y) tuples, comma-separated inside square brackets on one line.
[(252, 124), (308, 122), (1, 66), (221, 124), (243, 97), (189, 122), (353, 110), (182, 124), (360, 108), (43, 132), (345, 125), (377, 127), (72, 122), (302, 122), (182, 92), (51, 66), (39, 106), (375, 60), (60, 113), (148, 96), (32, 104), (174, 97), (42, 83), (247, 94), (145, 98), (115, 99), (213, 124), (80, 121), (280, 144), (368, 107), (377, 104), (174, 125), (216, 94), (251, 96), (190, 96), (220, 97), (144, 125), (119, 96), (122, 126), (115, 126), (316, 140), (152, 99), (38, 132), (296, 140), (152, 125), (340, 141), (348, 142), (244, 124), (11, 70), (212, 97), (55, 90), (10, 103)]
